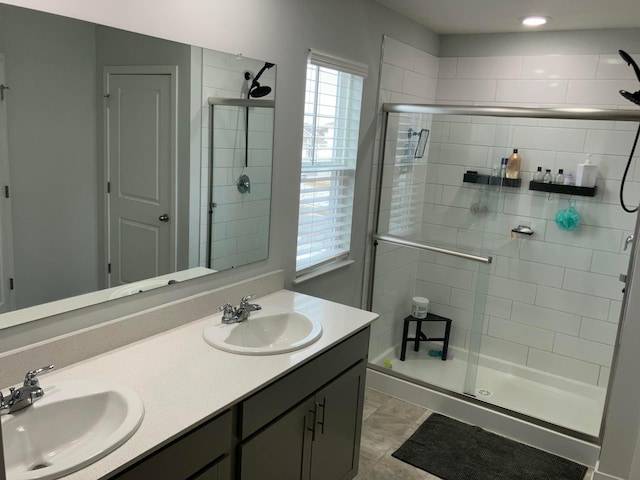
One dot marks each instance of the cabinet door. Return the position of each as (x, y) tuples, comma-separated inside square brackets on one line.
[(221, 470), (282, 450), (336, 446)]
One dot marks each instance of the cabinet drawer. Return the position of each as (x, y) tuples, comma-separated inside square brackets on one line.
[(188, 454), (258, 410)]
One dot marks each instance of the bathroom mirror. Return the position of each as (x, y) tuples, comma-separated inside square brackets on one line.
[(105, 155)]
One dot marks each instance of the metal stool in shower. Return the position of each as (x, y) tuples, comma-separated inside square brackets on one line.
[(421, 337)]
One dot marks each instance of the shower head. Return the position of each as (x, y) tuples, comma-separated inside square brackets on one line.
[(629, 61), (632, 97), (255, 90)]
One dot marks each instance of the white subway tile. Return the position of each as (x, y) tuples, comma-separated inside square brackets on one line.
[(564, 366), (582, 349), (481, 304), (529, 271), (392, 78), (560, 255), (472, 134), (614, 312), (464, 155), (598, 331), (609, 142), (546, 318), (446, 275), (418, 85), (504, 350), (609, 263), (603, 379), (612, 67), (560, 66), (561, 139), (461, 319), (398, 53), (512, 289), (426, 64), (593, 284), (520, 333), (531, 91), (586, 236), (489, 67), (447, 67), (598, 92), (435, 292), (572, 302), (466, 90)]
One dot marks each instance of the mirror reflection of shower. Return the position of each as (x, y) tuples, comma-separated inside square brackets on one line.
[(255, 89)]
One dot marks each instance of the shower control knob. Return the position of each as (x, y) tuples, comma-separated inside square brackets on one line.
[(164, 217)]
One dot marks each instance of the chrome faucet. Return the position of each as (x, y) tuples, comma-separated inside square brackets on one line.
[(29, 393), (240, 313)]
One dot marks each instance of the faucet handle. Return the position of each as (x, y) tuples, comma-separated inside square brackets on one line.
[(247, 298), (30, 379)]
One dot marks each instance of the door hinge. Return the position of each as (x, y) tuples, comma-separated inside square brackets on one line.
[(6, 191), (108, 187), (11, 285), (2, 90), (108, 267)]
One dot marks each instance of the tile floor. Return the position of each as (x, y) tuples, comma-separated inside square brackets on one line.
[(387, 423)]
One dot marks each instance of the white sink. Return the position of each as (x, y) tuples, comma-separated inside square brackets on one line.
[(265, 332), (72, 426)]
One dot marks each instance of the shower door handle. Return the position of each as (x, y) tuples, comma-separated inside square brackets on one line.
[(164, 217)]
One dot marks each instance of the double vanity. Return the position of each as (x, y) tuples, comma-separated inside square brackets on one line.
[(278, 395)]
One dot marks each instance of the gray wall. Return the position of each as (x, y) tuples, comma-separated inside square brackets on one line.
[(51, 132)]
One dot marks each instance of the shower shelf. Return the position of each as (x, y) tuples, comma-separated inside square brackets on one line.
[(566, 189), (472, 177)]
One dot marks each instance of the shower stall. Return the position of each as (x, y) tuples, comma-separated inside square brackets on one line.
[(534, 302)]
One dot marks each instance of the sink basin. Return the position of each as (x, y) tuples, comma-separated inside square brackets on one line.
[(265, 332), (72, 426)]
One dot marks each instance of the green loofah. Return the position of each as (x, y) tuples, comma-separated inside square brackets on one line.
[(568, 219)]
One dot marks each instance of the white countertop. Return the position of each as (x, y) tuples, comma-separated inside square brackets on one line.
[(183, 381)]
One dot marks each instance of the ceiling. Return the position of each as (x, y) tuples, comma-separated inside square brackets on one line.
[(499, 16)]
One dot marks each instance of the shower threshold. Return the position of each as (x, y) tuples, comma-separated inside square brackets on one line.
[(578, 407)]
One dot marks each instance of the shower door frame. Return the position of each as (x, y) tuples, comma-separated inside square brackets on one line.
[(506, 112)]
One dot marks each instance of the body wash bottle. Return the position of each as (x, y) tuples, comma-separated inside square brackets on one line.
[(586, 174), (513, 165)]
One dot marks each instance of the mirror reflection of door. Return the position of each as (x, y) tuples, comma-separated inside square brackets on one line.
[(140, 142), (6, 231)]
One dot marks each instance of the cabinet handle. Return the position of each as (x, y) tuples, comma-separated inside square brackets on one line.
[(312, 429), (324, 408)]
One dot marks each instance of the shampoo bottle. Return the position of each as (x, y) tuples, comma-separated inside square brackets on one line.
[(586, 174), (513, 165)]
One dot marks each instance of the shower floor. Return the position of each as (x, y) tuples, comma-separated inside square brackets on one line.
[(579, 409)]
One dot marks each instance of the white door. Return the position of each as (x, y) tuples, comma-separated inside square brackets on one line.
[(141, 158), (6, 232)]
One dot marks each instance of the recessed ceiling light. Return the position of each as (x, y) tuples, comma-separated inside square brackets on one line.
[(534, 21)]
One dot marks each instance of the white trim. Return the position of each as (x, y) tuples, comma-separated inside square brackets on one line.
[(331, 61), (316, 272)]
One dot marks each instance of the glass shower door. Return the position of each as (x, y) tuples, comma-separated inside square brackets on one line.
[(418, 254)]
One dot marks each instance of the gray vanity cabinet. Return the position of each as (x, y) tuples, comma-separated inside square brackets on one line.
[(303, 426), (313, 438), (202, 454), (318, 439)]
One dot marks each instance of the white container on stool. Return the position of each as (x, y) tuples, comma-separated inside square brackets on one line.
[(419, 307)]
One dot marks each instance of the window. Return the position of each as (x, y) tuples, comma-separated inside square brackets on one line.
[(329, 152)]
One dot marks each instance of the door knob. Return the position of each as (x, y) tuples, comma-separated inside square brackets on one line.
[(164, 217)]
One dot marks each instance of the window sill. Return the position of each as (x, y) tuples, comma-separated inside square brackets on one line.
[(321, 271)]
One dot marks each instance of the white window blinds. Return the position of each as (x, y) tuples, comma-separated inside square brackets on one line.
[(329, 152)]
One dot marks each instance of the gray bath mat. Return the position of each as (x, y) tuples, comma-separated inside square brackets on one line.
[(454, 450)]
